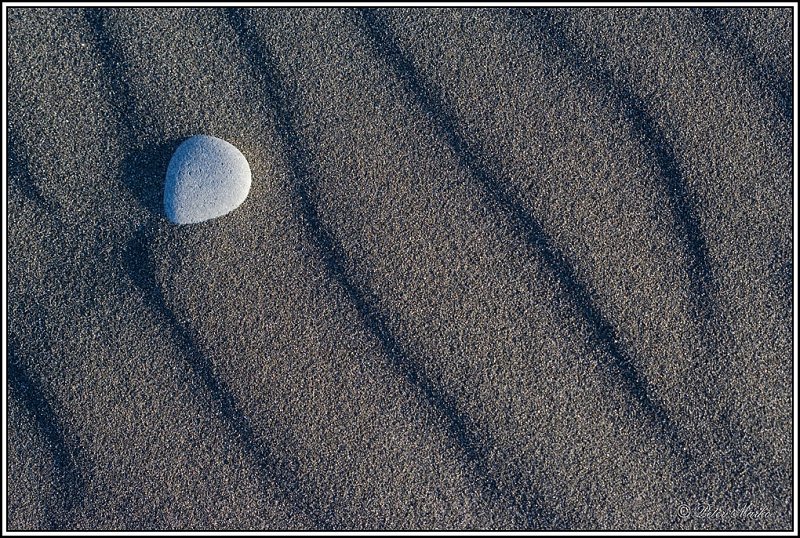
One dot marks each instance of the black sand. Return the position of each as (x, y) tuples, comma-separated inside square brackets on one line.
[(497, 270)]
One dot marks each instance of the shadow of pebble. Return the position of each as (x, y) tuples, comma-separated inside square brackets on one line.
[(143, 172)]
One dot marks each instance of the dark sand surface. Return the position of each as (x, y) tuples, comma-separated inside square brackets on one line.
[(497, 270)]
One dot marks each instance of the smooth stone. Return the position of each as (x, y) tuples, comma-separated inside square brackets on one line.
[(206, 178)]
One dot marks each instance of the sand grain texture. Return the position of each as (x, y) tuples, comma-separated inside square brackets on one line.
[(498, 269)]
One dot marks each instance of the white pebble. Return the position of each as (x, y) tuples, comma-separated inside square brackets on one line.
[(206, 178)]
